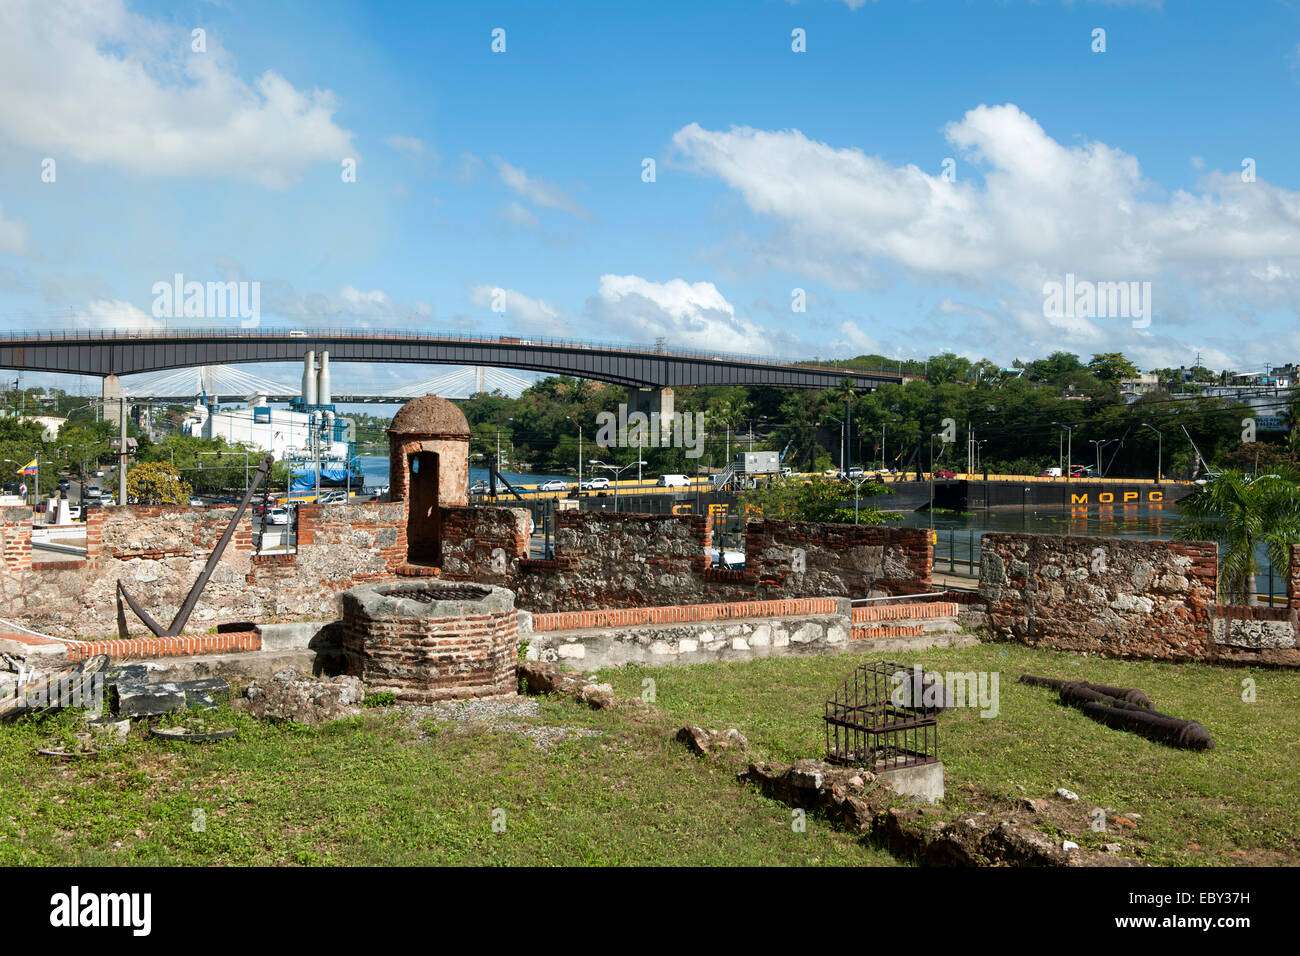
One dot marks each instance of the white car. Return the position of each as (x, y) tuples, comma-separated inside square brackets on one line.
[(555, 484), (673, 481), (594, 484), (277, 516)]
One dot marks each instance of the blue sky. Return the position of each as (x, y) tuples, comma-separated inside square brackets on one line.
[(775, 171)]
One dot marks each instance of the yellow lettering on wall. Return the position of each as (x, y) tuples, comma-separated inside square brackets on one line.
[(1105, 497), (1155, 496), (1078, 499), (1130, 496), (681, 509)]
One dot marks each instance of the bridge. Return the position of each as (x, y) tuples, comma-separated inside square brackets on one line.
[(223, 384), (112, 352)]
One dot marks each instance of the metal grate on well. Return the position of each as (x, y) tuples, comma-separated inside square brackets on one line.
[(874, 721)]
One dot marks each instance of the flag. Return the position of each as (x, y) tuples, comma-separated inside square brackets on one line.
[(27, 469)]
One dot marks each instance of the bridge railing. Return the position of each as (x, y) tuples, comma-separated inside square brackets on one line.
[(404, 335)]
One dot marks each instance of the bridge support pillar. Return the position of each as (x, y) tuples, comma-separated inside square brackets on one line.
[(113, 407), (653, 401)]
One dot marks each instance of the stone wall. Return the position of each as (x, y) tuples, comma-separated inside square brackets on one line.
[(600, 561), (1121, 597)]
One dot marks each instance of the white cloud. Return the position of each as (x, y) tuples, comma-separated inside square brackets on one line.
[(1024, 209), (90, 80), (538, 190), (520, 307), (374, 308), (691, 315), (13, 236), (411, 145), (520, 216), (114, 314)]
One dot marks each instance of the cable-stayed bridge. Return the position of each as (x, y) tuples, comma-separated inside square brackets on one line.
[(224, 384)]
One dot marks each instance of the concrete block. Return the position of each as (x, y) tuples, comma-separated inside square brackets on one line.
[(924, 782)]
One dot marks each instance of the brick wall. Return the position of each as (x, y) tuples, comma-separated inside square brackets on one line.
[(16, 538), (1116, 597)]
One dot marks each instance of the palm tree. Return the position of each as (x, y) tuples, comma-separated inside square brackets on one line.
[(1240, 515)]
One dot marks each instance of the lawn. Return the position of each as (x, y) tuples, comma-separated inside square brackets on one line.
[(1239, 802), (373, 790), (386, 789)]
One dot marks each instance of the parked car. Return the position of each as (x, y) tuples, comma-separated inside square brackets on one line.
[(594, 484), (673, 481), (93, 491), (277, 516), (555, 484)]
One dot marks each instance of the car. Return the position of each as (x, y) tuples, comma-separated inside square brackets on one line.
[(831, 473), (333, 498), (97, 474), (555, 484), (944, 473), (1050, 473), (107, 501), (196, 503), (673, 481), (1083, 471), (594, 484), (74, 512), (277, 516), (479, 487), (855, 472), (64, 484), (93, 491), (786, 471)]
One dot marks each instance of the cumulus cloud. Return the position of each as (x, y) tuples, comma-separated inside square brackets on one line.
[(91, 80), (13, 236), (537, 190), (520, 307), (692, 315), (114, 314), (1024, 209)]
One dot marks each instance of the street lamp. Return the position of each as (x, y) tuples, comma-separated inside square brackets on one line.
[(1101, 443), (579, 424), (617, 470), (892, 421), (1160, 441), (1069, 450)]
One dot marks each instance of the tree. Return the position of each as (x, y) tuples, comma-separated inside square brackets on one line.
[(1241, 515), (1111, 367), (817, 500), (157, 483)]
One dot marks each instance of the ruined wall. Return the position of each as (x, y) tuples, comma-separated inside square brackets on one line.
[(16, 538), (1122, 597), (840, 559), (600, 561)]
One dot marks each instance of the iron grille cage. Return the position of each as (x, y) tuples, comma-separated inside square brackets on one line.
[(878, 719)]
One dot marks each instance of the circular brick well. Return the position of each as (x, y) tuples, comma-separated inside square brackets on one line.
[(432, 640)]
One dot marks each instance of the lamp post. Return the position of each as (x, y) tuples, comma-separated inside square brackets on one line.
[(617, 471), (579, 424), (1160, 441), (1101, 443), (892, 421), (1069, 448)]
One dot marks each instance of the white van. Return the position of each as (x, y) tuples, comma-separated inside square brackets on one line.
[(673, 481)]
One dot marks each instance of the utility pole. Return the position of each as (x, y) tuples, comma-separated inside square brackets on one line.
[(121, 461)]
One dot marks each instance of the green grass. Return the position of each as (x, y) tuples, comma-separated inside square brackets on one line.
[(1197, 807), (370, 791)]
